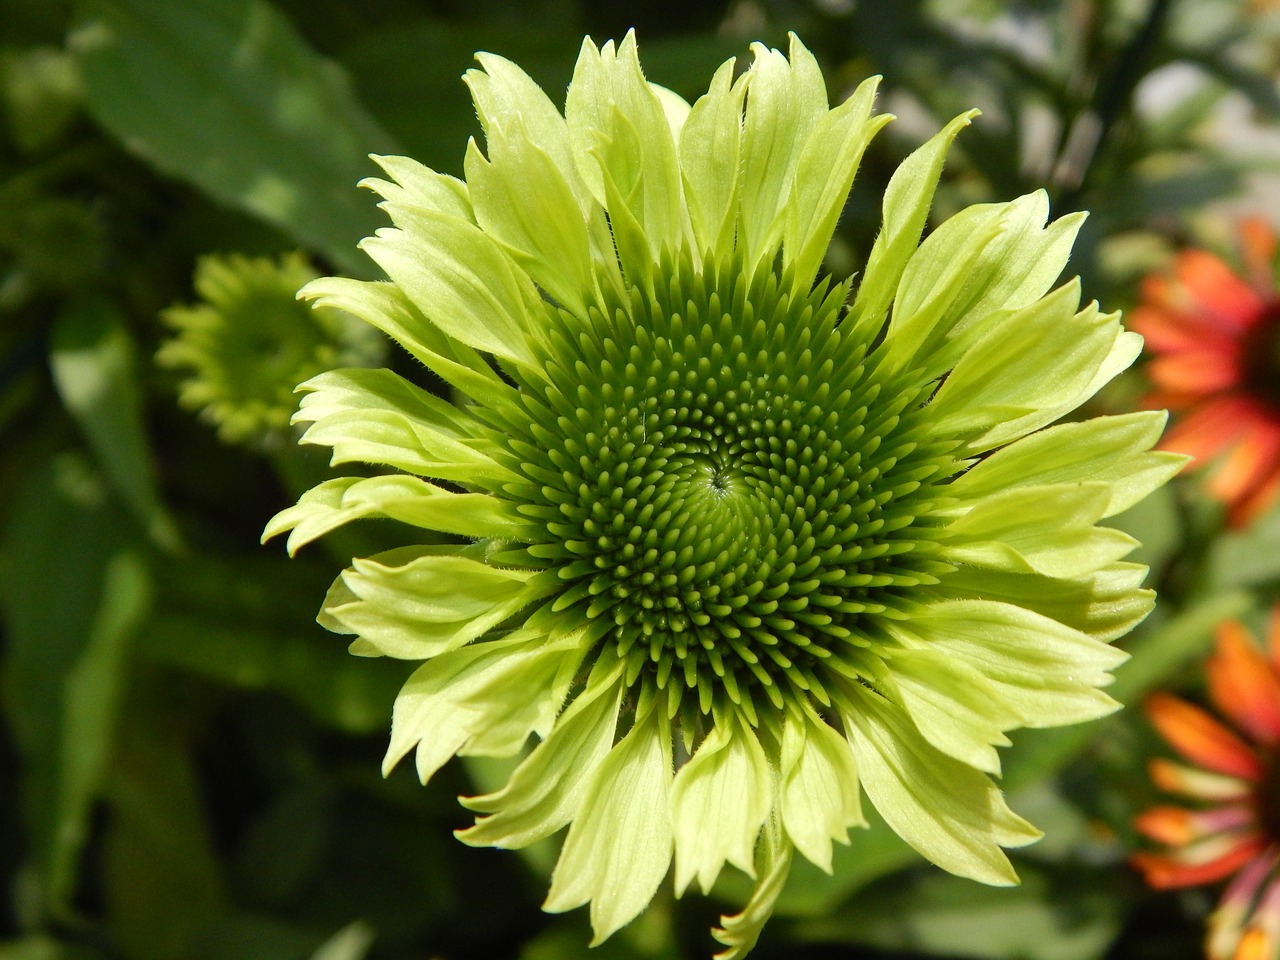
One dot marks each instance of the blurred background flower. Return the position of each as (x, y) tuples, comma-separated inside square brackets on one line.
[(1233, 832), (1215, 337), (189, 765)]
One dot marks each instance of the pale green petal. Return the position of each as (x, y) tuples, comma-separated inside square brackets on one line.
[(675, 107), (1115, 450), (463, 282), (740, 931), (710, 147), (1033, 362), (906, 207), (1046, 672), (341, 391), (986, 259), (719, 800), (431, 604), (545, 792), (501, 90), (948, 811), (342, 499), (523, 200), (461, 702), (620, 133), (1105, 605), (824, 173), (376, 416), (819, 797), (388, 308), (1043, 529), (414, 186), (788, 97), (953, 706), (619, 846)]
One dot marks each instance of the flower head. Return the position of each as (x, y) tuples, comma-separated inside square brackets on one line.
[(1233, 831), (1216, 339), (738, 549), (249, 342)]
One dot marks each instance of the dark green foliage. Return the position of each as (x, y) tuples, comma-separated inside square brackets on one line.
[(188, 764)]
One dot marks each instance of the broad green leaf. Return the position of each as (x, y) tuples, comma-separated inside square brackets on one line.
[(352, 942), (1064, 915), (94, 364), (304, 664), (44, 947), (74, 589), (161, 876), (226, 95)]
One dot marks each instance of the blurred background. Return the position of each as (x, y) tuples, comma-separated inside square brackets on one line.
[(189, 765)]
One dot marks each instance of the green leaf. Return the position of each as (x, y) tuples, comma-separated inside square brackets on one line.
[(74, 588), (339, 691), (94, 364), (226, 95), (161, 876), (1050, 916), (352, 942)]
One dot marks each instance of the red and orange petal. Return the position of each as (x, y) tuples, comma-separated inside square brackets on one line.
[(1208, 861), (1177, 826), (1213, 286), (1258, 246), (1201, 373), (1251, 463), (1195, 783), (1225, 926), (1167, 331), (1243, 684), (1209, 429), (1202, 739)]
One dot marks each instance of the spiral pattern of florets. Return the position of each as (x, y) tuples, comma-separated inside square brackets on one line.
[(730, 492)]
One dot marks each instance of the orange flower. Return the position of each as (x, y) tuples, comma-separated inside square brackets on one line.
[(1234, 829), (1216, 339)]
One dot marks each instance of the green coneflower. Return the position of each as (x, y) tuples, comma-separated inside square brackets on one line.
[(739, 548), (248, 343)]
